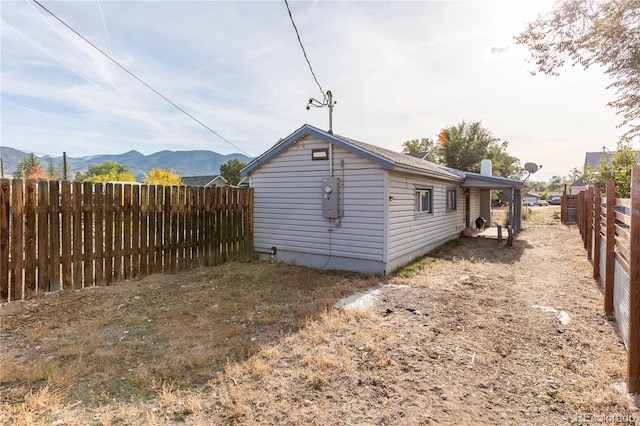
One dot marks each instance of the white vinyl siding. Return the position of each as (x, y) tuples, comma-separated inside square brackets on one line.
[(288, 204), (474, 202), (410, 233)]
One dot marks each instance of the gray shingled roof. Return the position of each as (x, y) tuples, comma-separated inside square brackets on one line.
[(404, 159), (593, 158), (198, 180)]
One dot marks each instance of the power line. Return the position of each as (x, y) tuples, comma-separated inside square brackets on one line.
[(145, 84), (305, 52)]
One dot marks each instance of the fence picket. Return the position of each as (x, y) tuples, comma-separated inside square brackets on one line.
[(117, 232), (151, 214), (173, 247), (43, 235), (126, 232), (54, 236), (166, 238), (30, 242), (5, 203), (208, 238), (188, 217), (159, 230), (76, 248), (181, 208), (135, 231), (98, 209), (17, 242), (87, 234), (109, 212), (66, 235), (144, 231)]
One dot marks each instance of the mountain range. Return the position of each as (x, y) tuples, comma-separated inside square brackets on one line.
[(184, 163)]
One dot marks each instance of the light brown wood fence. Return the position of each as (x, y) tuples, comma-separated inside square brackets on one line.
[(610, 230), (69, 235)]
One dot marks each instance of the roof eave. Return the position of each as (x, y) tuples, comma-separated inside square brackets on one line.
[(431, 173)]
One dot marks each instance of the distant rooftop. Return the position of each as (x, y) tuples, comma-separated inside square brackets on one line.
[(593, 158), (203, 180)]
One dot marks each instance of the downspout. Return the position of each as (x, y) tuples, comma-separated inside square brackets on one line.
[(330, 159), (330, 104)]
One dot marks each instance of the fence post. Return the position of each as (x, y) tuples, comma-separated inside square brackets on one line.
[(589, 222), (55, 235), (5, 209), (597, 210), (88, 259), (563, 204), (43, 235), (610, 244), (633, 355), (66, 235), (17, 241), (579, 213), (30, 235), (76, 246)]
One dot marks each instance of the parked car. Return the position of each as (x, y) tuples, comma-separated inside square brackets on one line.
[(542, 203), (556, 201)]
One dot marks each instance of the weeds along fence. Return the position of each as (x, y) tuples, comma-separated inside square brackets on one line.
[(610, 230), (69, 235)]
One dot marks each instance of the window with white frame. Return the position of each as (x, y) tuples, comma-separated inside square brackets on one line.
[(424, 200), (452, 199)]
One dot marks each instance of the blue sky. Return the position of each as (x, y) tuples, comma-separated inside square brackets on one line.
[(398, 71)]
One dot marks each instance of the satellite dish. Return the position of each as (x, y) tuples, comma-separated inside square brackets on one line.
[(531, 167)]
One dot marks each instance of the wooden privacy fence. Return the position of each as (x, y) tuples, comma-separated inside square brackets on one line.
[(69, 235), (610, 229)]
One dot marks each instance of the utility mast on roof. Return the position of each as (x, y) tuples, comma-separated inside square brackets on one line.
[(327, 101)]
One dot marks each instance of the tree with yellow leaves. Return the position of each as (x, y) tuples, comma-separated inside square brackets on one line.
[(162, 177)]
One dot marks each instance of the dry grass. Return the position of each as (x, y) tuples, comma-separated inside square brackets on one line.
[(145, 340)]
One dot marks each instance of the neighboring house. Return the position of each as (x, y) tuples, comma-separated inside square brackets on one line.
[(420, 155), (244, 182), (593, 158), (554, 194), (530, 198), (577, 187), (330, 202), (207, 181)]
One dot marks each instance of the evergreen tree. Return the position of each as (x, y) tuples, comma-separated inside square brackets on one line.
[(25, 166), (231, 170)]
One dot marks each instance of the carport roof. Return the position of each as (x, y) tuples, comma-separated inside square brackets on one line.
[(476, 180)]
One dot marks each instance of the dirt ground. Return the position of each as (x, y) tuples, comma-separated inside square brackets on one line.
[(482, 334)]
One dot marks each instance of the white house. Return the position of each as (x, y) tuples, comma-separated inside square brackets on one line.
[(330, 202)]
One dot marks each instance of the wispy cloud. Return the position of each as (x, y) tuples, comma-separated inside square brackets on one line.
[(500, 50), (398, 70)]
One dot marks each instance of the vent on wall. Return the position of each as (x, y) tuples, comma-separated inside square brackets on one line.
[(320, 154)]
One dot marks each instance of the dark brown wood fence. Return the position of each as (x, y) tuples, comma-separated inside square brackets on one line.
[(610, 230), (69, 235)]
